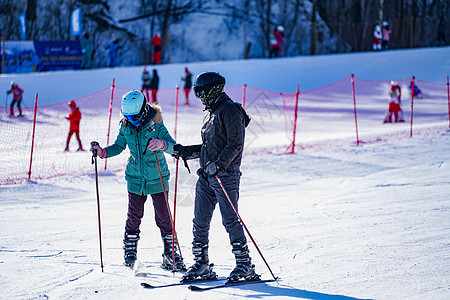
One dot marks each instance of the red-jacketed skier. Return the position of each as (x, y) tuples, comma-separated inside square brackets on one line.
[(157, 48), (223, 135), (395, 94), (377, 37), (74, 118), (143, 131), (17, 98)]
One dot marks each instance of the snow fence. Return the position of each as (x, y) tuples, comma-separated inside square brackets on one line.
[(351, 110)]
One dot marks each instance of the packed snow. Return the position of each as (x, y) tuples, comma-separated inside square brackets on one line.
[(333, 221)]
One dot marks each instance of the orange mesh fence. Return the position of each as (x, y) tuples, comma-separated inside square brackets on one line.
[(279, 121)]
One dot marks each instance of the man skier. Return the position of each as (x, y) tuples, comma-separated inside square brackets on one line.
[(220, 154)]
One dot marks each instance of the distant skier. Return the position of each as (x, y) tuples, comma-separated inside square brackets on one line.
[(146, 83), (157, 47), (386, 32), (417, 91), (112, 48), (154, 86), (86, 50), (395, 109), (223, 135), (74, 118), (187, 84), (377, 37), (17, 98), (276, 41), (143, 131)]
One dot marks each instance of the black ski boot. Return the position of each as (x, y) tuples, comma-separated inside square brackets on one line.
[(130, 246), (201, 269), (167, 263), (244, 270)]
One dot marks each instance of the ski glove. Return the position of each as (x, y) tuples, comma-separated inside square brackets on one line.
[(100, 151), (155, 144), (179, 151), (212, 168)]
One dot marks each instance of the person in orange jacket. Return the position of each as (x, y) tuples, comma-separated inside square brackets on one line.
[(74, 118), (157, 47)]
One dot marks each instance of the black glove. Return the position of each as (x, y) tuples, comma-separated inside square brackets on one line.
[(179, 151), (212, 168)]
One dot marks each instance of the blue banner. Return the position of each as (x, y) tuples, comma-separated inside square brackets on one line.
[(58, 55), (23, 31), (75, 22)]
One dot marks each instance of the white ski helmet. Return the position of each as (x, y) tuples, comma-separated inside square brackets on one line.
[(132, 103), (280, 28)]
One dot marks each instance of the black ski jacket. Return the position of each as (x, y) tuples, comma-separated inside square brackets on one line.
[(223, 134)]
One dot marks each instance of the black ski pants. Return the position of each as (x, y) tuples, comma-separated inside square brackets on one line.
[(207, 194)]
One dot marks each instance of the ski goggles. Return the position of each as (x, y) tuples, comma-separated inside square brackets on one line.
[(133, 118)]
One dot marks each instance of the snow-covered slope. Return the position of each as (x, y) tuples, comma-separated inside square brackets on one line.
[(334, 220)]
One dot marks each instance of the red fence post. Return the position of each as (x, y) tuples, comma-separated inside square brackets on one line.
[(412, 105), (354, 108), (32, 139), (244, 95), (448, 99), (176, 113), (110, 115), (291, 148)]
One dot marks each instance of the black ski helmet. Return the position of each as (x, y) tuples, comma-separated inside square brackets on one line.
[(208, 86)]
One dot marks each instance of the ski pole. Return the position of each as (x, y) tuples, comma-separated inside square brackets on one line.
[(94, 161), (174, 211), (245, 227), (174, 235)]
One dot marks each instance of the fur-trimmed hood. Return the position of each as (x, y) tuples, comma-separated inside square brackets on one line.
[(158, 112)]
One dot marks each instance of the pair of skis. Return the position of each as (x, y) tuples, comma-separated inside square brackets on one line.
[(193, 287)]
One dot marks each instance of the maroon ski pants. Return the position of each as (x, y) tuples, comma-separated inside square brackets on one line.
[(136, 212)]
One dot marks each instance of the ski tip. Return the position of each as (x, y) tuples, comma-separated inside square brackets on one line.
[(146, 285), (194, 288)]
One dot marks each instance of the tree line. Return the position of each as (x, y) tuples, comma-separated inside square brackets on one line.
[(311, 26)]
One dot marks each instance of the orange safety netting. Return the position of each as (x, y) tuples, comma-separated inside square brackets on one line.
[(280, 121)]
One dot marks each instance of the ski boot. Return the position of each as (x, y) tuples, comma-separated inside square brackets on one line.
[(201, 269), (244, 270), (130, 246), (167, 263)]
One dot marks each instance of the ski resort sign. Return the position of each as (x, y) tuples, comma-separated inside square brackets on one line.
[(41, 56)]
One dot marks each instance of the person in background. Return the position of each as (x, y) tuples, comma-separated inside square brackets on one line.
[(17, 98), (157, 47), (187, 84), (142, 130), (154, 85), (220, 156), (112, 48), (417, 91), (74, 118), (386, 32), (86, 50), (395, 109), (377, 37), (146, 83), (276, 41)]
